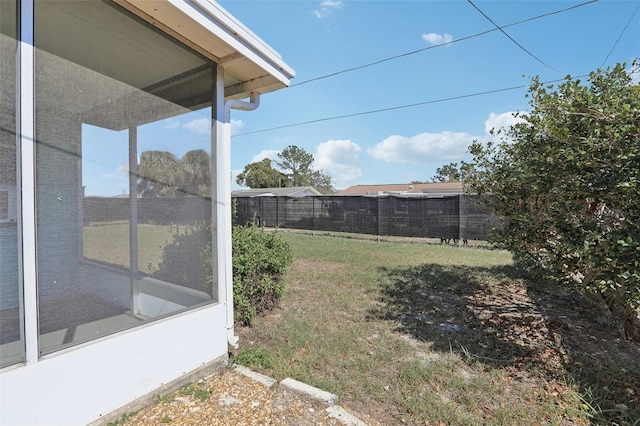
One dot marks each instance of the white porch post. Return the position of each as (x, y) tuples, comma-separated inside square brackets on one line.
[(27, 217), (133, 220), (221, 199)]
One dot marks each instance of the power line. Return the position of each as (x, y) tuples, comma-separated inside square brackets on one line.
[(511, 38), (402, 55), (620, 36), (375, 111)]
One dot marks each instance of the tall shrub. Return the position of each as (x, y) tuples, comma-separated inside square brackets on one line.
[(564, 182), (260, 260)]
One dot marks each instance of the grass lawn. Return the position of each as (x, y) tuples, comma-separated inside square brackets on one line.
[(427, 334), (109, 243)]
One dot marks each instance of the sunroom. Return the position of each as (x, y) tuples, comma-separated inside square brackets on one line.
[(115, 198)]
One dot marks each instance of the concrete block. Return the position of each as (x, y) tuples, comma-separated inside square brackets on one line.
[(309, 391), (261, 378)]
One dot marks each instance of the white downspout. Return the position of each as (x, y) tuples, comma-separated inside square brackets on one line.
[(222, 188), (254, 102)]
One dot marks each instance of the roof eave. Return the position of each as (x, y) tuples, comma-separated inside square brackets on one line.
[(210, 30)]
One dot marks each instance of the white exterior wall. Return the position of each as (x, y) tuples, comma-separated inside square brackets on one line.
[(88, 382), (80, 385), (76, 386)]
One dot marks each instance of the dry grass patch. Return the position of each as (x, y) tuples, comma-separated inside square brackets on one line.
[(416, 334)]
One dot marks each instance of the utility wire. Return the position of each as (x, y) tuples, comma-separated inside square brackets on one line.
[(411, 53), (402, 55), (620, 36), (511, 38), (375, 111)]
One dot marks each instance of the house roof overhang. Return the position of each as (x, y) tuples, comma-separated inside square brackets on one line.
[(250, 64), (122, 75)]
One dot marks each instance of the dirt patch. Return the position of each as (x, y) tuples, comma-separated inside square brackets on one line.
[(526, 328)]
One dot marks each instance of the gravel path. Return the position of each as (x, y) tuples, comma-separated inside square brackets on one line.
[(239, 396)]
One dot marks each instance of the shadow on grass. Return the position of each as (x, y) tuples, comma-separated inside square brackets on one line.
[(504, 320)]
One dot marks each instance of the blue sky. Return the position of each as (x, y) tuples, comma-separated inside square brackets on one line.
[(466, 76), (317, 38)]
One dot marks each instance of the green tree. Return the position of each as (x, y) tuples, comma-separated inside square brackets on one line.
[(322, 182), (261, 175), (161, 173), (453, 172), (158, 174), (195, 173), (296, 163), (564, 183)]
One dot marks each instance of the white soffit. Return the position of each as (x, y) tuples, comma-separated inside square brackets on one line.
[(250, 64)]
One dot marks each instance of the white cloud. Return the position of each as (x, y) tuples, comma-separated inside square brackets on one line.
[(500, 121), (339, 159), (171, 124), (423, 148), (236, 126), (327, 7), (440, 147), (271, 154), (198, 126), (437, 39)]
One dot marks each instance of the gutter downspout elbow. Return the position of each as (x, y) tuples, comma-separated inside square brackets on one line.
[(254, 102)]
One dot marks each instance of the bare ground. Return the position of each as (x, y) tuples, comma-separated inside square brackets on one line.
[(528, 328)]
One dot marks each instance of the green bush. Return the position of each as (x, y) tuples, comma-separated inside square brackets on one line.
[(178, 264), (564, 182), (260, 260)]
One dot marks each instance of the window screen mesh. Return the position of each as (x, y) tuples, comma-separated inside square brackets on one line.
[(123, 173), (11, 338)]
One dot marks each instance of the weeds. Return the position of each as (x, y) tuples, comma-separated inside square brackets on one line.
[(165, 399), (196, 391), (254, 357), (122, 420)]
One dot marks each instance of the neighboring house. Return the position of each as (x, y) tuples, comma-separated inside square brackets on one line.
[(93, 315), (437, 189), (298, 191)]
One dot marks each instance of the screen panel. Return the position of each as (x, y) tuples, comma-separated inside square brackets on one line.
[(11, 310), (123, 178)]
